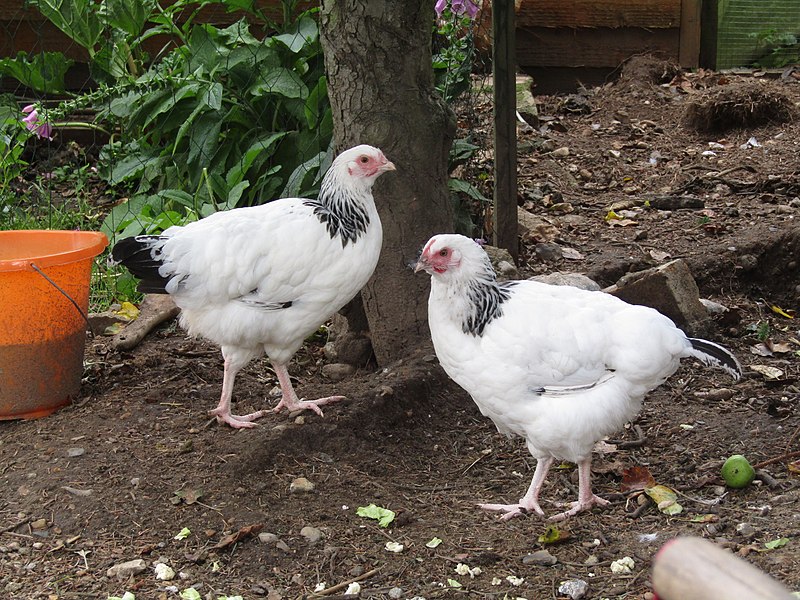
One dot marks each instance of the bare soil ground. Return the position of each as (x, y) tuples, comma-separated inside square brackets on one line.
[(117, 475)]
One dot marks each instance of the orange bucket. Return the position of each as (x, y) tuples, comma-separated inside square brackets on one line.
[(44, 296)]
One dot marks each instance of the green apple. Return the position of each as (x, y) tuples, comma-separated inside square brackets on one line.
[(737, 472)]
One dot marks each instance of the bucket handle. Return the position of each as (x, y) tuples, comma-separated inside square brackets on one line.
[(65, 294)]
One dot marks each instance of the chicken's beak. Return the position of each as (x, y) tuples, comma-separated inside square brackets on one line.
[(421, 264), (387, 166)]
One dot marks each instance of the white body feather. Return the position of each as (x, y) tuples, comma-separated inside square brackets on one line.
[(595, 356), (230, 268)]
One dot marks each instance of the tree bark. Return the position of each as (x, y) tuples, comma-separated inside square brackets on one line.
[(381, 89)]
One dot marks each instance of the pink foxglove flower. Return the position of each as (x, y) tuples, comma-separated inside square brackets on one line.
[(40, 128), (459, 7)]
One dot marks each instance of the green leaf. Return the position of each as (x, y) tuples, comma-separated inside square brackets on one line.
[(235, 194), (553, 535), (129, 15), (204, 138), (43, 72), (212, 96), (183, 534), (79, 19), (384, 516), (301, 34), (454, 583), (316, 103), (282, 82), (779, 543), (262, 145), (294, 185), (190, 594), (460, 186), (434, 542)]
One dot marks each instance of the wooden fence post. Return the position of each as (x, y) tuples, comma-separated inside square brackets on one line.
[(504, 71)]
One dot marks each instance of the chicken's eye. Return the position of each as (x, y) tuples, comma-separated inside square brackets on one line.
[(364, 159), (443, 252)]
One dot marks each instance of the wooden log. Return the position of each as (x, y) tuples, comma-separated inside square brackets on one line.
[(689, 568)]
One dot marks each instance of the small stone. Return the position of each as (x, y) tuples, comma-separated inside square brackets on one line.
[(127, 569), (268, 538), (541, 558), (338, 371), (301, 485), (562, 152), (312, 534), (75, 452), (396, 593), (574, 588), (591, 560), (39, 524), (746, 530)]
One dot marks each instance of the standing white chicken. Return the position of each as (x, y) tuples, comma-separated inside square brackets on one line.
[(261, 279), (557, 365)]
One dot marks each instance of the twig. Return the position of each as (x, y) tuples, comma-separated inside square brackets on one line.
[(15, 525), (775, 459), (335, 588), (640, 441)]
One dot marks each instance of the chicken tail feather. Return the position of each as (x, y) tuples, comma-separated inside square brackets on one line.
[(715, 355), (139, 255)]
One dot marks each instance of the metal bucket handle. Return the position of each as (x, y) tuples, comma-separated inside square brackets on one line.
[(65, 294)]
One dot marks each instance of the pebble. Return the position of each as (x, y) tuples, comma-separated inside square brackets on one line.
[(574, 588), (73, 452), (39, 524), (127, 569), (396, 593), (560, 152), (541, 557), (746, 530), (312, 534), (301, 485)]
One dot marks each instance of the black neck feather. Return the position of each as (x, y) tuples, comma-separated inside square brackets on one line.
[(486, 298), (343, 215)]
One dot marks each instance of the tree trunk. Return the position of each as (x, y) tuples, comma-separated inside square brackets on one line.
[(380, 84)]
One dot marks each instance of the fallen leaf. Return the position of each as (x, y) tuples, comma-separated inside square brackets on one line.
[(571, 254), (238, 536), (707, 518), (659, 255), (183, 534), (187, 495), (761, 349), (794, 466), (767, 371), (779, 543), (453, 583), (553, 535), (665, 498), (636, 478), (127, 311), (434, 542), (788, 313), (622, 223), (384, 516)]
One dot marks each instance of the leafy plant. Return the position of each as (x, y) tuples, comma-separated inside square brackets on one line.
[(452, 61), (779, 48)]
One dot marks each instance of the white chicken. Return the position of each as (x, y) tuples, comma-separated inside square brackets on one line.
[(261, 279), (557, 365)]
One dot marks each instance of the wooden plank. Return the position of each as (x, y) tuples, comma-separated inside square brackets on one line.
[(689, 53), (504, 74), (651, 14), (602, 47)]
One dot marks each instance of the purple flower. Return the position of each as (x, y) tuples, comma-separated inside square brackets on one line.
[(39, 128), (459, 7)]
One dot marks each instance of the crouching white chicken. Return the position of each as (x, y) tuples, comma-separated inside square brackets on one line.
[(557, 365), (261, 279)]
